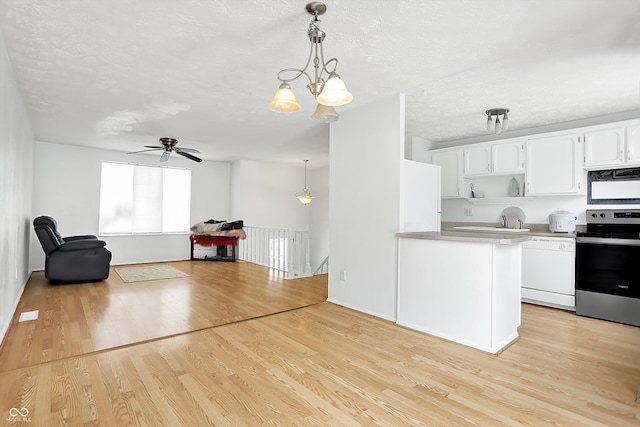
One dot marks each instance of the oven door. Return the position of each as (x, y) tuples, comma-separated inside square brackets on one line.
[(608, 265)]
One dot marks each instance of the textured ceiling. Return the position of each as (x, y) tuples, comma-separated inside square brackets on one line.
[(120, 74)]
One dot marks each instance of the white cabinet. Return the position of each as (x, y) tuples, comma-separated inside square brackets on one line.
[(450, 162), (611, 148), (477, 160), (508, 158), (553, 165), (492, 159), (633, 144), (604, 147)]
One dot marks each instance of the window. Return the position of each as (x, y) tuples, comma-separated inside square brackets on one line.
[(138, 199)]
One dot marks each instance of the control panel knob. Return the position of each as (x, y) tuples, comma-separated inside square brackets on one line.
[(594, 215), (602, 215)]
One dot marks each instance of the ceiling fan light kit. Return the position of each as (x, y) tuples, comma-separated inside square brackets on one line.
[(169, 146), (497, 126), (331, 92)]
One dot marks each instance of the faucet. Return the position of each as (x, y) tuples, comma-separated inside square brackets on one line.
[(504, 221), (520, 222)]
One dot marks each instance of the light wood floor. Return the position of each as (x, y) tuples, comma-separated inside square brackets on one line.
[(323, 364), (80, 318)]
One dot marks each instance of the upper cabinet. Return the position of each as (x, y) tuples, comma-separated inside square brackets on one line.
[(633, 144), (508, 158), (450, 162), (604, 147), (496, 158), (612, 148), (553, 166), (553, 163)]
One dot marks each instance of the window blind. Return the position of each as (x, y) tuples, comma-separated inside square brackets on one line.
[(137, 199)]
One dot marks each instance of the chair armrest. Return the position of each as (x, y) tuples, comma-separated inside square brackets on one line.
[(79, 245), (85, 237)]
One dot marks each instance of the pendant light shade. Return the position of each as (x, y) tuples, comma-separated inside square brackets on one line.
[(284, 100), (305, 196), (325, 114), (334, 93)]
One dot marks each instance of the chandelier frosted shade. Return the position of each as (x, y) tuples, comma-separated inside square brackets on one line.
[(497, 126), (331, 92), (325, 114), (334, 93), (284, 100)]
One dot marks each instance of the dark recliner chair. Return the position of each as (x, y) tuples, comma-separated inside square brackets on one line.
[(71, 259)]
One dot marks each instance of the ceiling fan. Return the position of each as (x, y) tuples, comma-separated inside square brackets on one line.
[(169, 146)]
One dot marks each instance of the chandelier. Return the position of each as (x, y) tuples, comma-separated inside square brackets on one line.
[(329, 93), (305, 197), (497, 127)]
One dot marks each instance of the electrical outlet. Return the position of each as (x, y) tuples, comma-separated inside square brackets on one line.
[(468, 211), (343, 274)]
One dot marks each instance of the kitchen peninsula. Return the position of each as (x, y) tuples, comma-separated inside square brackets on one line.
[(461, 286)]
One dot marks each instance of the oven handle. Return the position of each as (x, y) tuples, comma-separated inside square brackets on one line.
[(606, 241)]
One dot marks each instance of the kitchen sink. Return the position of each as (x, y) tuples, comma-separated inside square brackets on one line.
[(494, 229)]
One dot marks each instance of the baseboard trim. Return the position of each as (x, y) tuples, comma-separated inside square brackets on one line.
[(7, 323)]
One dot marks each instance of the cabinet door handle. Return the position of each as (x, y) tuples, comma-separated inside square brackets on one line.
[(488, 167)]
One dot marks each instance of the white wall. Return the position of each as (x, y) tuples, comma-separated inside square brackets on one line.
[(537, 209), (16, 186), (67, 187), (366, 150), (264, 194), (318, 183), (416, 148)]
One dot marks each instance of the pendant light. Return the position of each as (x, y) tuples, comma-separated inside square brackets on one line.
[(324, 83), (305, 196)]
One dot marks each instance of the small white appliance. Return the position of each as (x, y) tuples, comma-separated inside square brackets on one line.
[(420, 197), (562, 221)]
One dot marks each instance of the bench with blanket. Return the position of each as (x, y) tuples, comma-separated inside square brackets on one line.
[(214, 240)]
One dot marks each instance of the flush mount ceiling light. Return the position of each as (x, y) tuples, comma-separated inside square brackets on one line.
[(305, 197), (497, 127), (329, 93)]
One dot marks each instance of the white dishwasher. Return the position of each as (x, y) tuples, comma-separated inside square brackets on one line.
[(548, 272)]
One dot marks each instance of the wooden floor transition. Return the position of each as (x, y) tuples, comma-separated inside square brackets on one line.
[(245, 347)]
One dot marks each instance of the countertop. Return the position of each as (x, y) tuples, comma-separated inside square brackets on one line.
[(541, 230), (468, 236)]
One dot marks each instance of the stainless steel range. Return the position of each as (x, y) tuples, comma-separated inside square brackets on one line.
[(608, 266)]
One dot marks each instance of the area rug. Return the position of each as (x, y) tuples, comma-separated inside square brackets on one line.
[(148, 272)]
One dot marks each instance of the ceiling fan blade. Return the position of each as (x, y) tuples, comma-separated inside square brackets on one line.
[(187, 150), (165, 156), (189, 156), (142, 151), (154, 146)]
